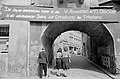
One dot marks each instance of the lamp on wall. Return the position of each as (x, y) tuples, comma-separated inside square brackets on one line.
[(32, 3)]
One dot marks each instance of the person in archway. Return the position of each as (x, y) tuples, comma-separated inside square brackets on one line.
[(43, 62), (65, 60), (58, 65)]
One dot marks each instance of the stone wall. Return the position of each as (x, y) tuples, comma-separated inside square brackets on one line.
[(18, 48), (15, 2), (3, 64), (115, 31), (106, 58)]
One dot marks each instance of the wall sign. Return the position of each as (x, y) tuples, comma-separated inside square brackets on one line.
[(30, 13)]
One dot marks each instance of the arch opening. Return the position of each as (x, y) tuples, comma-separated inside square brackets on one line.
[(101, 41), (72, 40)]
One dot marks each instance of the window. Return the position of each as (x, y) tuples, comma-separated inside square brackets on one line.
[(4, 38), (4, 30), (71, 37), (70, 47)]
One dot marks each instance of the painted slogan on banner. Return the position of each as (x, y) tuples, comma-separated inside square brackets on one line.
[(31, 13)]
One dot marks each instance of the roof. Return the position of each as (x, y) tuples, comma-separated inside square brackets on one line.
[(104, 1)]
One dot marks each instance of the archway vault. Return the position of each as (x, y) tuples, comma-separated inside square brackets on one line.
[(99, 35)]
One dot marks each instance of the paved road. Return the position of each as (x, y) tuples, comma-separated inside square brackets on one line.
[(80, 69)]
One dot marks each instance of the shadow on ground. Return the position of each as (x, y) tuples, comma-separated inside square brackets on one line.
[(79, 62)]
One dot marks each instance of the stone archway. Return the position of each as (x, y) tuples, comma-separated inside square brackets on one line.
[(102, 41)]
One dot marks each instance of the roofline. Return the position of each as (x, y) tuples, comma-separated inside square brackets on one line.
[(46, 6), (102, 2)]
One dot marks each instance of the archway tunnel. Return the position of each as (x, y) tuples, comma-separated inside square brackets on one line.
[(101, 42)]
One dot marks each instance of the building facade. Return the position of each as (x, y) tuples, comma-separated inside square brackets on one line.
[(25, 42), (71, 39)]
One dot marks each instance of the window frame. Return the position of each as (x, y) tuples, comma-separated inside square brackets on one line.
[(5, 37)]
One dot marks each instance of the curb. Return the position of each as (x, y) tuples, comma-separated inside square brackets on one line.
[(106, 72)]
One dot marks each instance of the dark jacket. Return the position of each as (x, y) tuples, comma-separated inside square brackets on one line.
[(43, 57)]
